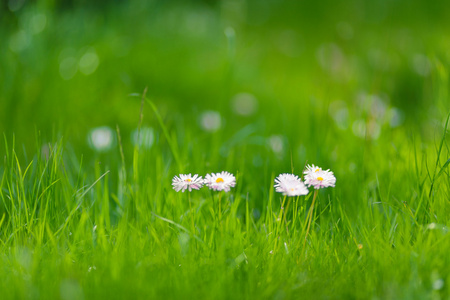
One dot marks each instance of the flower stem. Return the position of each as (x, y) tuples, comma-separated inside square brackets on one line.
[(192, 215), (220, 206), (284, 215), (310, 216), (294, 212), (280, 223)]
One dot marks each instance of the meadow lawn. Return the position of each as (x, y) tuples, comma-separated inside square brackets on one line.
[(102, 105)]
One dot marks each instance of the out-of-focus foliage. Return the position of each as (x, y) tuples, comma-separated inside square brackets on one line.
[(69, 66)]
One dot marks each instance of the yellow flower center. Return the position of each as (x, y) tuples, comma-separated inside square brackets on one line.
[(317, 170), (320, 178), (218, 180), (188, 180), (292, 189)]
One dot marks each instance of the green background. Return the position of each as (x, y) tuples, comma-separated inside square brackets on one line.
[(360, 87)]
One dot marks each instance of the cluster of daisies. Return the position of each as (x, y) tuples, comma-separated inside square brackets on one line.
[(291, 185), (287, 184), (222, 181)]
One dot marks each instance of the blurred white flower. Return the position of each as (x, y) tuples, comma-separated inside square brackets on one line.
[(48, 150), (339, 112), (37, 23), (220, 181), (187, 182), (290, 185), (68, 67), (396, 117), (45, 151), (276, 143), (377, 106), (438, 284), (15, 5), (332, 59), (19, 41), (374, 105), (101, 138), (318, 178), (210, 121), (88, 62), (373, 129), (431, 226), (244, 104), (359, 128), (145, 138), (421, 65)]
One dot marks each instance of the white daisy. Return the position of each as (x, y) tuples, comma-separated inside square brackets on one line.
[(220, 181), (186, 181), (290, 185), (318, 178), (312, 169)]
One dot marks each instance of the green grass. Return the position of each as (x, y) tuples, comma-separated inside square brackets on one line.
[(363, 93), (115, 230)]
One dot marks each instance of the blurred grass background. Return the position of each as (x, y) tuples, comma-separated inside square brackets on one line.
[(68, 66)]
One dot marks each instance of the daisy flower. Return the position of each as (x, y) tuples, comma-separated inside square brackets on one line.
[(220, 181), (186, 181), (312, 169), (290, 185), (318, 178)]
